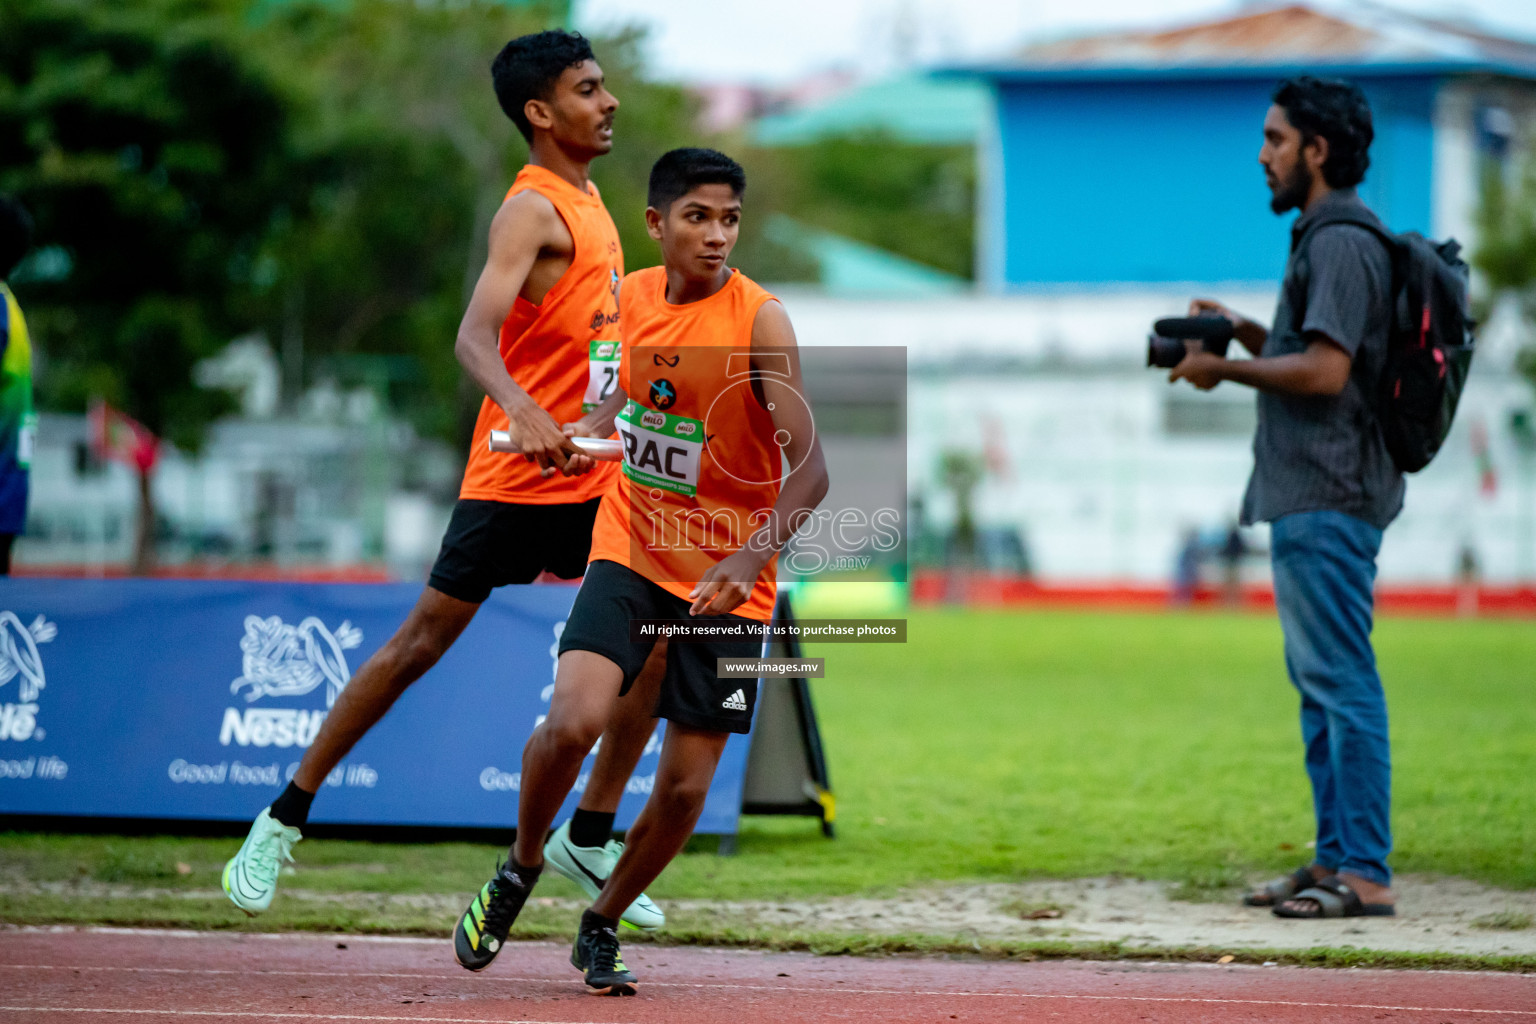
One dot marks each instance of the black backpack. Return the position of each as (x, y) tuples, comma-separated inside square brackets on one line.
[(1429, 345)]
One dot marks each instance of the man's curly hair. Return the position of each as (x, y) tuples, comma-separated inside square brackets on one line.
[(1337, 111), (528, 67)]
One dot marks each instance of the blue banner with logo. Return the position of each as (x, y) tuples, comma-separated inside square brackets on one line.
[(196, 699)]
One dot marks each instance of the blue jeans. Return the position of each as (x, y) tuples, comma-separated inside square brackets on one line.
[(1325, 566)]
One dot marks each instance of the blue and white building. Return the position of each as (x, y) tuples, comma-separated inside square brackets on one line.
[(1119, 178), (1132, 158)]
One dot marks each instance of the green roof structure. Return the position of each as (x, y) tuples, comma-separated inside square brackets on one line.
[(848, 267), (914, 107)]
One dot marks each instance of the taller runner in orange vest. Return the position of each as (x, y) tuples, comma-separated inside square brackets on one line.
[(721, 465), (541, 337)]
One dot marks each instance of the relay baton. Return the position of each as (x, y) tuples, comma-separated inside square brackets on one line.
[(604, 449)]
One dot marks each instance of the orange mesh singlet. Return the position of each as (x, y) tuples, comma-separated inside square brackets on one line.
[(701, 469), (563, 352)]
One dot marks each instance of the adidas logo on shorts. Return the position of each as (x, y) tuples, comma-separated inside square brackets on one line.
[(736, 701)]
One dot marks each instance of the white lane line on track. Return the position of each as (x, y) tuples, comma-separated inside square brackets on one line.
[(262, 1015), (411, 940), (796, 989), (276, 1015)]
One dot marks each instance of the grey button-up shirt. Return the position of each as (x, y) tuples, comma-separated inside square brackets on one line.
[(1313, 453)]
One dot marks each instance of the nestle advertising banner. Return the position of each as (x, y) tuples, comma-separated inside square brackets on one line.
[(196, 699)]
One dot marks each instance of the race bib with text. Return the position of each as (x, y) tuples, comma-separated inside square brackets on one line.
[(602, 373), (661, 450)]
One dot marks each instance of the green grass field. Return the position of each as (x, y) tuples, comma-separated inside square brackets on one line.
[(993, 747)]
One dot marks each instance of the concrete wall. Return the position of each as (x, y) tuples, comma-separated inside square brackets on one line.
[(290, 493), (1103, 465), (1104, 489), (1465, 109)]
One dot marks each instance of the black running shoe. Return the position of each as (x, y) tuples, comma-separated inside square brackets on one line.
[(483, 928), (596, 956)]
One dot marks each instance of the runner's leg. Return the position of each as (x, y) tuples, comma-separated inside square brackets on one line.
[(586, 687), (428, 631), (688, 760), (250, 876), (628, 730)]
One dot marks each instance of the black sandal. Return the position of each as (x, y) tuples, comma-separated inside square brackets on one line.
[(1334, 899), (1281, 889)]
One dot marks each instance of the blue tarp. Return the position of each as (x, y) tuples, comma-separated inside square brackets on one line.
[(196, 699)]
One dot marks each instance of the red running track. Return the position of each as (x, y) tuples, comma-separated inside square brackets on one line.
[(95, 976)]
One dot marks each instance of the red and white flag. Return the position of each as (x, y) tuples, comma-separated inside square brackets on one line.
[(116, 435), (1487, 474)]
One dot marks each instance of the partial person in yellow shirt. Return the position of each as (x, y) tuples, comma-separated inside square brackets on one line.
[(18, 423)]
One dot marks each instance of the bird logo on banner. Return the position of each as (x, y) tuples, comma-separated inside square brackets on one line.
[(19, 656), (288, 661)]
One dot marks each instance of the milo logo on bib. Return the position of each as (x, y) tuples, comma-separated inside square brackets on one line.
[(661, 450), (602, 372)]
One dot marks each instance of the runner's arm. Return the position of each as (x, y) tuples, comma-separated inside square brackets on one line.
[(599, 422), (525, 226), (729, 582)]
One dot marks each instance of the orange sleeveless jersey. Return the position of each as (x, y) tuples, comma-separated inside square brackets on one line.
[(701, 469), (563, 352)]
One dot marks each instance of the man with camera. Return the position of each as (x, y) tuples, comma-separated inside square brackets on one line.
[(1324, 480)]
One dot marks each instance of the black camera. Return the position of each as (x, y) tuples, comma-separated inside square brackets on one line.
[(1165, 346)]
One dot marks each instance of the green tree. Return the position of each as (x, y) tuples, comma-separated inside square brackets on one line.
[(961, 471), (405, 157), (323, 172), (151, 155), (914, 200), (652, 119), (410, 157), (1506, 247)]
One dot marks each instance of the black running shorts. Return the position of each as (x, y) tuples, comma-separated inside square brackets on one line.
[(492, 543), (691, 693)]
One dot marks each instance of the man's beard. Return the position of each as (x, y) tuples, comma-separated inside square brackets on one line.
[(1292, 194)]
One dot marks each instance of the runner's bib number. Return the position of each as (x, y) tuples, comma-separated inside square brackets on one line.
[(602, 373), (661, 450)]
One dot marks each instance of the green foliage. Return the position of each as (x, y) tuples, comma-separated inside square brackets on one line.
[(324, 173), (150, 155), (1506, 222), (652, 119), (404, 156), (1506, 251), (961, 471), (410, 156), (911, 199)]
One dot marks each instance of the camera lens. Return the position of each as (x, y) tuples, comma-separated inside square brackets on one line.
[(1164, 352)]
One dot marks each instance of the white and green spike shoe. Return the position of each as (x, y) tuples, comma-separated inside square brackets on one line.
[(590, 866), (250, 877), (483, 928)]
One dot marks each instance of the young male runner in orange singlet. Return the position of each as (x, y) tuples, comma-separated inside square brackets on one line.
[(541, 337), (692, 527)]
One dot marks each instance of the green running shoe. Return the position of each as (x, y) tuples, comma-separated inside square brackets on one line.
[(596, 956), (483, 929), (250, 877), (590, 866)]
